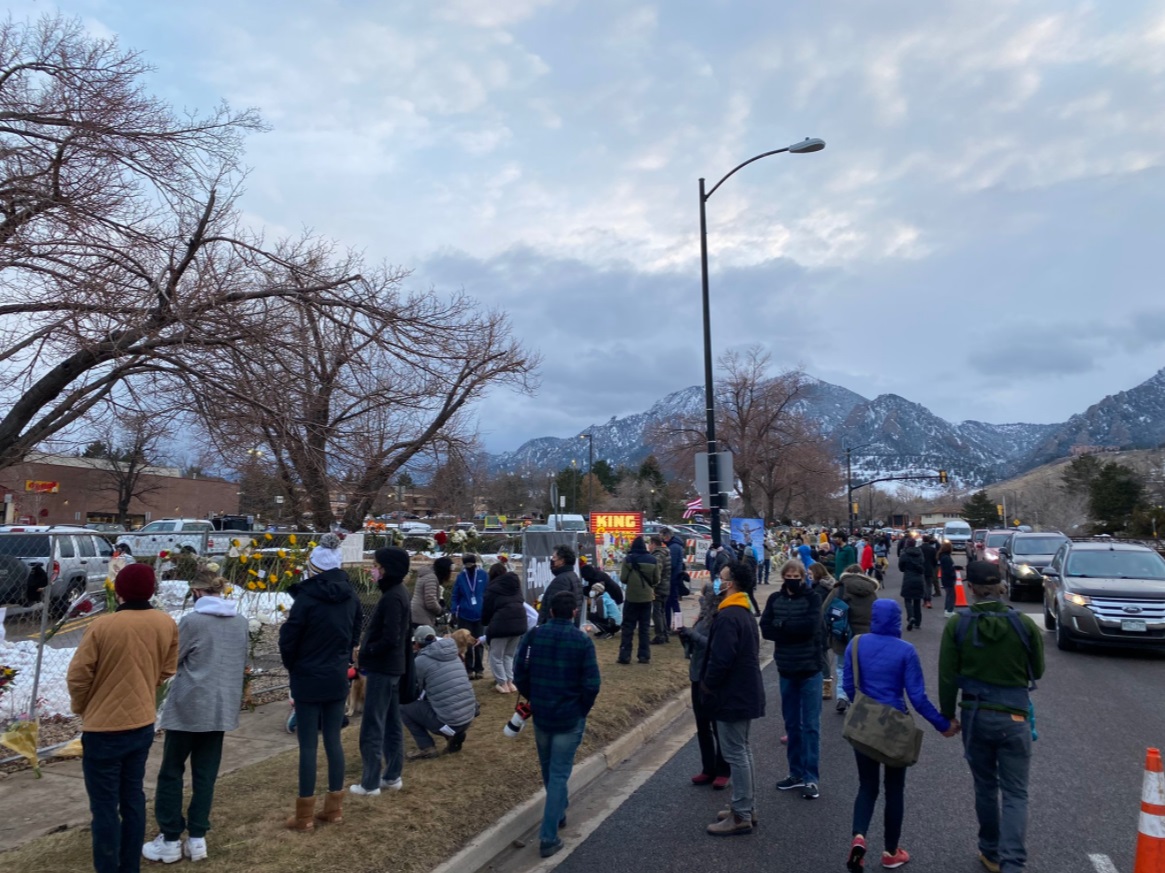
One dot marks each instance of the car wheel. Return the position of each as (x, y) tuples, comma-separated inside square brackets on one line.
[(1063, 640), (1049, 619), (59, 606)]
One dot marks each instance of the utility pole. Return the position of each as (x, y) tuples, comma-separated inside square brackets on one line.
[(849, 494)]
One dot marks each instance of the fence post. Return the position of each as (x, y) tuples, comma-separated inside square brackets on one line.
[(44, 623)]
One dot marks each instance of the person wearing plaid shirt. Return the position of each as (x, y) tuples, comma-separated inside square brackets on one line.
[(556, 670)]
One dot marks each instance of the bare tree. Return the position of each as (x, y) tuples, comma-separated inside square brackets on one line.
[(131, 444)]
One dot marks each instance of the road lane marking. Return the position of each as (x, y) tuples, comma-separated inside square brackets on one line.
[(1102, 864)]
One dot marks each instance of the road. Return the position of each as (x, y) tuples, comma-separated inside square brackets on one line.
[(1096, 714)]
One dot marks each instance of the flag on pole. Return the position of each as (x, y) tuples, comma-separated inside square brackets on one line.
[(693, 507)]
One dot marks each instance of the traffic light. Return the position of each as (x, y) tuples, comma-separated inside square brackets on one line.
[(999, 509), (856, 509), (942, 477)]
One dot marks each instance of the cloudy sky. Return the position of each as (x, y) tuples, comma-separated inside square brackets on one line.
[(982, 234)]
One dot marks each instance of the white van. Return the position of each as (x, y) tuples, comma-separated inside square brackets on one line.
[(957, 533), (567, 521)]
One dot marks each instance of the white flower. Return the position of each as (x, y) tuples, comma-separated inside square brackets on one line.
[(254, 626)]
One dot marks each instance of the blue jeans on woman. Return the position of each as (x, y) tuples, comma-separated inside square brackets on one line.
[(114, 765), (801, 709), (556, 755)]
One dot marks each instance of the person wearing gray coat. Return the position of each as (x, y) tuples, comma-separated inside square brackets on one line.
[(448, 705), (202, 704)]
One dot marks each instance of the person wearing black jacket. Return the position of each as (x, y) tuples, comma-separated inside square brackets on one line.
[(914, 583), (792, 621), (733, 692), (504, 616), (316, 643), (946, 566), (565, 579), (383, 662), (930, 558), (592, 574)]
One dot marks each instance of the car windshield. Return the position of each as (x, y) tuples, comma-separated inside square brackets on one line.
[(959, 530), (1036, 545), (574, 525), (1113, 564), (25, 545), (994, 541)]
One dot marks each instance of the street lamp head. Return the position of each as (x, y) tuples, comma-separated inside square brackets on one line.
[(807, 145)]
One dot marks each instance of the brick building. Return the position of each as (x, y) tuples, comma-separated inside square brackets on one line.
[(55, 489)]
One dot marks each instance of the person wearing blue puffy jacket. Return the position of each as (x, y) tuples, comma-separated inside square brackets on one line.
[(890, 672)]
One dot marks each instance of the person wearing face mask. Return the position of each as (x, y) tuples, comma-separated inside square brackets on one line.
[(383, 660), (565, 579), (733, 692), (467, 604), (639, 574), (201, 705)]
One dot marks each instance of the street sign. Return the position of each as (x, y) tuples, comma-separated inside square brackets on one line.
[(724, 475)]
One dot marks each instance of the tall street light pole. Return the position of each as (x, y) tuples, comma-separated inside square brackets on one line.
[(590, 438), (808, 145)]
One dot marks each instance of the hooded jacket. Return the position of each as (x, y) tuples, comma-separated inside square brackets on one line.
[(469, 595), (504, 613), (441, 676), (846, 555), (860, 592), (930, 558), (663, 583), (387, 637), (212, 657), (639, 574), (792, 620), (913, 567), (730, 675), (889, 666), (675, 548), (565, 579), (317, 639), (427, 597)]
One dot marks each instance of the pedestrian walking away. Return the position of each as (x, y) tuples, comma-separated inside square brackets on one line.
[(792, 621), (384, 661), (466, 604), (733, 692), (316, 643), (946, 572), (930, 559), (914, 583), (889, 671), (713, 768), (113, 681), (201, 705), (857, 592), (556, 670), (993, 655)]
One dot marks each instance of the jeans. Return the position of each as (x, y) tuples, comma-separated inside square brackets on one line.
[(712, 761), (837, 686), (949, 591), (204, 750), (636, 615), (501, 658), (764, 570), (868, 772), (738, 753), (114, 765), (382, 737), (801, 709), (913, 611), (999, 749), (473, 657), (310, 720), (556, 756)]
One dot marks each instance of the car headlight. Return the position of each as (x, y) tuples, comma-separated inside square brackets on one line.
[(1027, 570), (1078, 599)]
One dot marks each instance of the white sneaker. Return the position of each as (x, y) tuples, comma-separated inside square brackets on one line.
[(161, 849), (360, 791), (195, 848), (949, 614), (396, 785)]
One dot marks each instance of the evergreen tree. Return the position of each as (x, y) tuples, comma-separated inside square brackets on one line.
[(1080, 474), (1113, 497), (980, 511)]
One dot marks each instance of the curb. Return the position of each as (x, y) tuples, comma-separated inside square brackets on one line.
[(495, 839)]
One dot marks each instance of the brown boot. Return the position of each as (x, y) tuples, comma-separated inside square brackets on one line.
[(333, 808), (302, 820), (827, 689), (727, 811), (731, 825)]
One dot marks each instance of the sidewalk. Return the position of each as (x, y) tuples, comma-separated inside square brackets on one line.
[(31, 807)]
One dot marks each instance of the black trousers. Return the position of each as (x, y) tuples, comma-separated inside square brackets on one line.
[(711, 760), (473, 657), (636, 615)]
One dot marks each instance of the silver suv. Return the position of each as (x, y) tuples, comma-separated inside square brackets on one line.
[(70, 560)]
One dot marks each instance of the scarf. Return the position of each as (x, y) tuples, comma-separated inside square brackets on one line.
[(736, 598)]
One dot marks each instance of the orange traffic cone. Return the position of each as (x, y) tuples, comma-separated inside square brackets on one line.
[(1151, 833), (960, 594)]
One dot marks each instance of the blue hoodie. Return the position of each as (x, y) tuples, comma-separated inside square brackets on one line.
[(889, 666)]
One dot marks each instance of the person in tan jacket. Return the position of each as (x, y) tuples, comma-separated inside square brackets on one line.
[(113, 682)]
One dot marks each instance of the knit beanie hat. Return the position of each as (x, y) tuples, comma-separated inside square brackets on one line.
[(135, 582), (326, 556), (394, 562)]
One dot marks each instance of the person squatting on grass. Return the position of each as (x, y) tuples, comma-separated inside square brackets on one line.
[(316, 644), (201, 705), (383, 660), (447, 704), (556, 670), (113, 681)]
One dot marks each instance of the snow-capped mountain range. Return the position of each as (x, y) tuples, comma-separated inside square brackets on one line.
[(895, 436)]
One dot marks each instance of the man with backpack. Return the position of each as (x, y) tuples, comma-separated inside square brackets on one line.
[(994, 655), (848, 610)]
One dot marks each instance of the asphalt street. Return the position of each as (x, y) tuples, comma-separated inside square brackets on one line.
[(1097, 711)]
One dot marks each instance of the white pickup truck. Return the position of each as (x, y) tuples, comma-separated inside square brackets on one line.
[(178, 534)]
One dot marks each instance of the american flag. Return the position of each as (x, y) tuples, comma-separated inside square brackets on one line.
[(693, 507)]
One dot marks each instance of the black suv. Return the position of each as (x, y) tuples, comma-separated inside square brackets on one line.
[(1107, 591), (1023, 557)]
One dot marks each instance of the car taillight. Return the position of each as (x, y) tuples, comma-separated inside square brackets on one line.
[(991, 554), (56, 571)]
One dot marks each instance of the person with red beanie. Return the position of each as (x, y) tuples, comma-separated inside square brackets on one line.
[(113, 681)]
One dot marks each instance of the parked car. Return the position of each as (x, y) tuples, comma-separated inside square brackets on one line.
[(195, 535), (415, 528), (1023, 557), (106, 527), (567, 521), (70, 560), (1106, 591), (468, 526)]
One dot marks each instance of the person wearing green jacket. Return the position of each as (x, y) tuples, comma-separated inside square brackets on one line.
[(639, 575), (844, 553), (993, 654)]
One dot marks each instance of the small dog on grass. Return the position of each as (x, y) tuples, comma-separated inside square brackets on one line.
[(356, 684)]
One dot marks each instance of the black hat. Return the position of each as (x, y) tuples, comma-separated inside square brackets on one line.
[(983, 573), (394, 561)]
